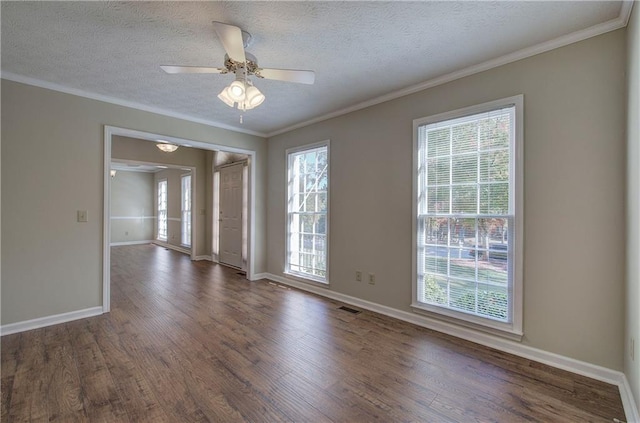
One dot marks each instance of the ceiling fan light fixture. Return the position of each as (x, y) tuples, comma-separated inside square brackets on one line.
[(225, 98), (254, 97), (166, 147), (237, 90)]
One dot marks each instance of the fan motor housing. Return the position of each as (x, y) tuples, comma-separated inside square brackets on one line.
[(251, 64)]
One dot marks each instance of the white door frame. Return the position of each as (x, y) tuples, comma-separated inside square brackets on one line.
[(109, 132)]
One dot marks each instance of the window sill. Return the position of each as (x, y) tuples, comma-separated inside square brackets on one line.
[(503, 330)]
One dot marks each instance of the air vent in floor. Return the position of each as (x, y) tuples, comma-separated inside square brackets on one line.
[(349, 309)]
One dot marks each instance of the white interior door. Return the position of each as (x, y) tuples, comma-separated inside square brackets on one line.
[(231, 215)]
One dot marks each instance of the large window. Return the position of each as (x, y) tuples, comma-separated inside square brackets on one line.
[(162, 210), (186, 210), (307, 212), (468, 215)]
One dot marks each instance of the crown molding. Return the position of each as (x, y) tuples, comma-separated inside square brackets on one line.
[(574, 37), (119, 102)]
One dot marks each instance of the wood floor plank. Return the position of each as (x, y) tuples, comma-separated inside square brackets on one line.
[(196, 342), (29, 400)]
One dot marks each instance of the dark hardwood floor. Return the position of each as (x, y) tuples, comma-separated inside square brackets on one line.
[(193, 341)]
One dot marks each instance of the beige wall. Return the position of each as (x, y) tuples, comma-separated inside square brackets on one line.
[(50, 263), (145, 151), (574, 245), (632, 367), (132, 208)]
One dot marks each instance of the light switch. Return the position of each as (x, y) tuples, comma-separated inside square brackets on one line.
[(83, 216)]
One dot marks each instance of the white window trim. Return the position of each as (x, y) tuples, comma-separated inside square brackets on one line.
[(303, 277), (513, 329), (158, 209), (182, 210)]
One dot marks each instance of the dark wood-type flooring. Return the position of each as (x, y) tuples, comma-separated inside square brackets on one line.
[(194, 341)]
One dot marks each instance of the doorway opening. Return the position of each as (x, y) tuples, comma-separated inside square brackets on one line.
[(153, 203), (119, 146)]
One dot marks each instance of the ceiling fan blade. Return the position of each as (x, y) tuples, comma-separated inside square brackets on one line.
[(231, 39), (289, 75), (190, 69)]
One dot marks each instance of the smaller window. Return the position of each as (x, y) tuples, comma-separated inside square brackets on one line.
[(186, 210), (162, 210), (308, 212)]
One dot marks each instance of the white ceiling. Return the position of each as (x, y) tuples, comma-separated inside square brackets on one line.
[(362, 52)]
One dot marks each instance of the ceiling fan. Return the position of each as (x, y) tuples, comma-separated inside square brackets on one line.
[(241, 93)]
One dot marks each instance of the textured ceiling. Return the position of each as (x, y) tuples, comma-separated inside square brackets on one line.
[(359, 50)]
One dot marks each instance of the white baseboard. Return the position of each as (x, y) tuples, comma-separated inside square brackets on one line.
[(555, 360), (629, 403), (117, 244), (56, 319), (171, 247), (199, 258), (258, 276)]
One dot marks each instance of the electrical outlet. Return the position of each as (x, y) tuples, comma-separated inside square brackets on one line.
[(372, 279), (358, 276)]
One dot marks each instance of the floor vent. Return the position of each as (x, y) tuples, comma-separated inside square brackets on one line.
[(350, 310)]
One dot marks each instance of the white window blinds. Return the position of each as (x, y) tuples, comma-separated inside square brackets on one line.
[(466, 214)]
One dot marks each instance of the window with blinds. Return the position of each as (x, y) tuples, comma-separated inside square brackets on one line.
[(186, 211), (162, 210), (307, 212), (467, 214)]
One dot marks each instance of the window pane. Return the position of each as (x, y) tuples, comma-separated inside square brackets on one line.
[(462, 295), (463, 267), (307, 223), (435, 264), (493, 302), (494, 166), (465, 233), (310, 203), (437, 231), (465, 168), (323, 181), (494, 132), (322, 202), (439, 171), (435, 290), (465, 137), (465, 199), (438, 199), (494, 198), (438, 143)]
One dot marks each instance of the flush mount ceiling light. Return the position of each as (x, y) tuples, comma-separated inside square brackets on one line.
[(166, 147), (241, 93)]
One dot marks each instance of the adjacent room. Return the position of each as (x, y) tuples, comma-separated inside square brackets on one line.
[(320, 211)]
